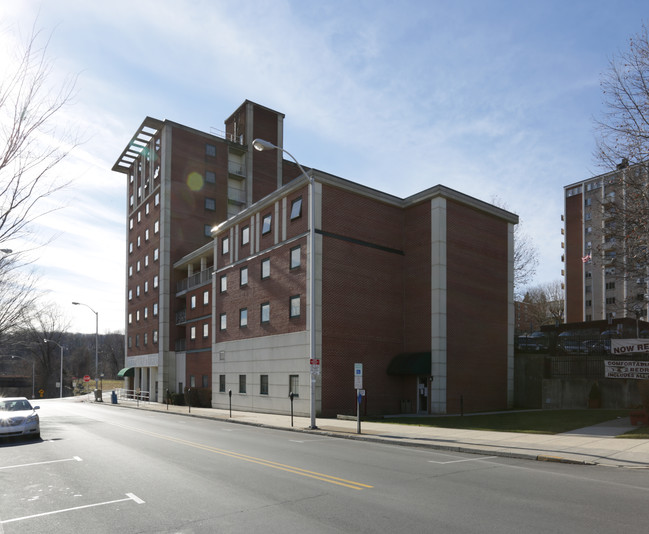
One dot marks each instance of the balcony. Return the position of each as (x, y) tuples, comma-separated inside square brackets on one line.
[(181, 317), (237, 196), (237, 169), (195, 280)]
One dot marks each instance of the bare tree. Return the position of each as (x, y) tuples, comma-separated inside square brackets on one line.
[(526, 257), (31, 146), (623, 147), (545, 303), (31, 143)]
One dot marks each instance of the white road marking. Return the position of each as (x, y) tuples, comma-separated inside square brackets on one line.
[(459, 461), (130, 497), (74, 458)]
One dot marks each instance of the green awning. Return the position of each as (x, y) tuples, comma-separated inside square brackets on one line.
[(412, 363), (127, 371)]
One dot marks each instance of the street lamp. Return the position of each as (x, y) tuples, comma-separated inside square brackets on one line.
[(261, 144), (33, 373), (61, 382), (96, 341)]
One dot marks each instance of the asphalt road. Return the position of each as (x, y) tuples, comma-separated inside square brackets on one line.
[(107, 469)]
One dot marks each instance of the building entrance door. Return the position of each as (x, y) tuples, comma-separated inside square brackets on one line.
[(422, 394)]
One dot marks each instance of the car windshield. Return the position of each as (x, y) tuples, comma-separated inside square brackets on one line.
[(15, 405)]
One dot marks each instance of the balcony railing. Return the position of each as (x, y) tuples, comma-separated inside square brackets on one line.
[(237, 168), (237, 195), (181, 316), (195, 280)]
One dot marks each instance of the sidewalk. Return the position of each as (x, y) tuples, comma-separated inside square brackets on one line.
[(596, 445)]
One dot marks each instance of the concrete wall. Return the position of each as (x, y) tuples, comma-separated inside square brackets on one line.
[(573, 393)]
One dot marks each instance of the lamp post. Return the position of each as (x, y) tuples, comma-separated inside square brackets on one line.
[(96, 341), (261, 144), (33, 374), (61, 380)]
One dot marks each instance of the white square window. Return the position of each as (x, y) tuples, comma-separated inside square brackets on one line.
[(224, 321), (206, 298), (192, 300), (265, 312), (156, 227), (156, 199), (265, 268), (294, 306), (267, 224), (155, 281), (156, 253), (245, 235), (192, 332), (296, 208), (224, 283), (295, 257), (225, 245), (243, 317), (243, 276), (155, 309), (206, 330)]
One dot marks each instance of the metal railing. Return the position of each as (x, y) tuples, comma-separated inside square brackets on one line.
[(194, 280)]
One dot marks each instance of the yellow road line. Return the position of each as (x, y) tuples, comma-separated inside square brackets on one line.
[(260, 461)]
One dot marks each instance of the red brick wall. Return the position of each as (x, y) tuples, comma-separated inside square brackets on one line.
[(574, 250), (417, 282), (362, 296), (477, 309)]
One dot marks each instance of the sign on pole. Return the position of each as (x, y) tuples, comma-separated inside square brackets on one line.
[(358, 376)]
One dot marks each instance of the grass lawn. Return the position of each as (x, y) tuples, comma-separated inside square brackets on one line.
[(534, 422)]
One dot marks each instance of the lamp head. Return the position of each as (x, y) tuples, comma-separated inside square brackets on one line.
[(262, 144), (76, 303)]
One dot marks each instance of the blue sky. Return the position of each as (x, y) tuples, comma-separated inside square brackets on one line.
[(494, 99)]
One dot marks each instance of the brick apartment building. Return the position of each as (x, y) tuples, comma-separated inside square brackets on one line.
[(597, 284), (419, 290)]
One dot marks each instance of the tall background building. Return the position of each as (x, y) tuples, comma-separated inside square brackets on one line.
[(601, 281)]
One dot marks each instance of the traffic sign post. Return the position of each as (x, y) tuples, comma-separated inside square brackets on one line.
[(358, 385)]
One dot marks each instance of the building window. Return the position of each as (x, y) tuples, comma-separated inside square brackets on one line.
[(610, 285), (156, 199), (206, 298), (265, 268), (156, 254), (295, 257), (243, 317), (155, 281), (294, 306), (210, 204), (589, 303), (130, 270), (225, 245), (207, 230), (137, 340), (139, 241), (206, 330), (294, 385), (146, 312), (137, 291), (224, 283), (130, 223), (155, 309), (147, 209), (210, 150), (221, 383), (146, 234), (192, 333), (243, 276), (242, 383), (138, 266), (130, 248), (192, 381), (155, 336), (130, 342), (610, 300), (145, 339), (210, 177), (263, 384), (156, 227), (146, 260), (130, 294), (137, 315), (192, 302), (130, 318), (296, 208), (266, 224), (224, 321), (265, 312), (245, 235)]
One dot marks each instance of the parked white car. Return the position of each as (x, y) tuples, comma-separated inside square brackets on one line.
[(18, 418)]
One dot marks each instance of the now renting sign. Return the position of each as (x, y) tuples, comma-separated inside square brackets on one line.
[(626, 346)]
